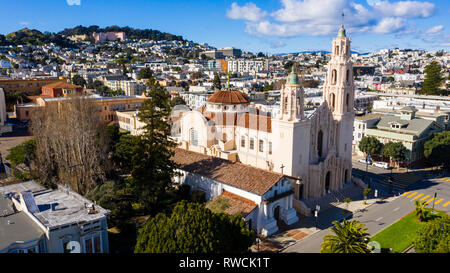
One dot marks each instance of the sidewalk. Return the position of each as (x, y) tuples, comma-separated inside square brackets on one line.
[(307, 226)]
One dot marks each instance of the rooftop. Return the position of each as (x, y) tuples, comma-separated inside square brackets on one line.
[(235, 174), (57, 207), (232, 204)]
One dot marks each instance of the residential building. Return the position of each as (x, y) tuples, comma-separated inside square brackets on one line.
[(34, 219), (61, 89), (362, 123), (28, 86), (407, 129)]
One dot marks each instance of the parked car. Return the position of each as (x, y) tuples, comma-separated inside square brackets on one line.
[(363, 161), (383, 165)]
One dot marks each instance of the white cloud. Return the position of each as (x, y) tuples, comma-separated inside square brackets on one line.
[(73, 2), (249, 12), (434, 30), (406, 9), (323, 17), (390, 25), (24, 23)]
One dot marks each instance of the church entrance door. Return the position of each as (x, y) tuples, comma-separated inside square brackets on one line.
[(276, 213), (327, 182)]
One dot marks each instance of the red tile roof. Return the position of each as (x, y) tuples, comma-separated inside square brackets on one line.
[(235, 204), (228, 97), (61, 84), (235, 174)]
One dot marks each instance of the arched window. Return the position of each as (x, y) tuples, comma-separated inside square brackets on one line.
[(194, 137), (336, 50), (347, 76), (243, 141), (333, 76), (261, 145), (285, 105), (319, 143), (298, 106), (332, 101), (347, 101)]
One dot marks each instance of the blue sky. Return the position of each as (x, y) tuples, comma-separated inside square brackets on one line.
[(272, 26)]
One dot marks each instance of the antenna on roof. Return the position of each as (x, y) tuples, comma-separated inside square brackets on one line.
[(342, 22)]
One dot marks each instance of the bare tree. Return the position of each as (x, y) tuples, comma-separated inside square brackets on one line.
[(70, 145)]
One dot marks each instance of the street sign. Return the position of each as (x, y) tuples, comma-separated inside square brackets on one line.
[(376, 193), (315, 213)]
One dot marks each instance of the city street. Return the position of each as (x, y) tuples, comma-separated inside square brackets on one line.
[(386, 212)]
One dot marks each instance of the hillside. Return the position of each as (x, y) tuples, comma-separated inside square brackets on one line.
[(131, 33), (34, 37)]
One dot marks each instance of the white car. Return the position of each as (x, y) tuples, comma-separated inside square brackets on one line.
[(383, 165), (363, 161)]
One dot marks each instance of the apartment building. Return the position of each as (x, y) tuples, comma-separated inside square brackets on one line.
[(130, 88), (28, 86), (34, 219)]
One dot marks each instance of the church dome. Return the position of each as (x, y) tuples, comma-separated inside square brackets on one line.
[(228, 97), (341, 32), (292, 78)]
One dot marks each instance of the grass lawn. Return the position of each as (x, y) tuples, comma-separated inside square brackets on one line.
[(402, 233)]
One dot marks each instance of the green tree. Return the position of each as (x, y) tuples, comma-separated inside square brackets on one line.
[(366, 193), (145, 73), (437, 149), (177, 101), (434, 236), (433, 80), (124, 151), (78, 80), (23, 153), (348, 237), (395, 151), (216, 82), (153, 168), (421, 210), (370, 146), (192, 228)]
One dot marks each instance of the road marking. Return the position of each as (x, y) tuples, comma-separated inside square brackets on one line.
[(418, 196), (447, 180), (446, 204), (396, 209), (405, 193), (430, 200), (424, 198), (443, 178), (378, 219), (439, 201), (412, 194)]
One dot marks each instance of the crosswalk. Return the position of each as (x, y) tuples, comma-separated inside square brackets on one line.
[(428, 199)]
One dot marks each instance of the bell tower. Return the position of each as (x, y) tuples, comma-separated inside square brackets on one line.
[(292, 99), (339, 92), (291, 131), (338, 88)]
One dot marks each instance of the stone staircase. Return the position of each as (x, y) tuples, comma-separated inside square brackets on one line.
[(335, 197)]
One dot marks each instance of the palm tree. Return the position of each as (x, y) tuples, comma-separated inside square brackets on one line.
[(421, 211), (348, 237)]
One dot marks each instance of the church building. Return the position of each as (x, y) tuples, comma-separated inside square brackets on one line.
[(312, 154)]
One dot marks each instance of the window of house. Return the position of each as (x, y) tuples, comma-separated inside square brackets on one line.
[(270, 147), (261, 145), (252, 144), (97, 244), (194, 137), (88, 245), (243, 141)]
